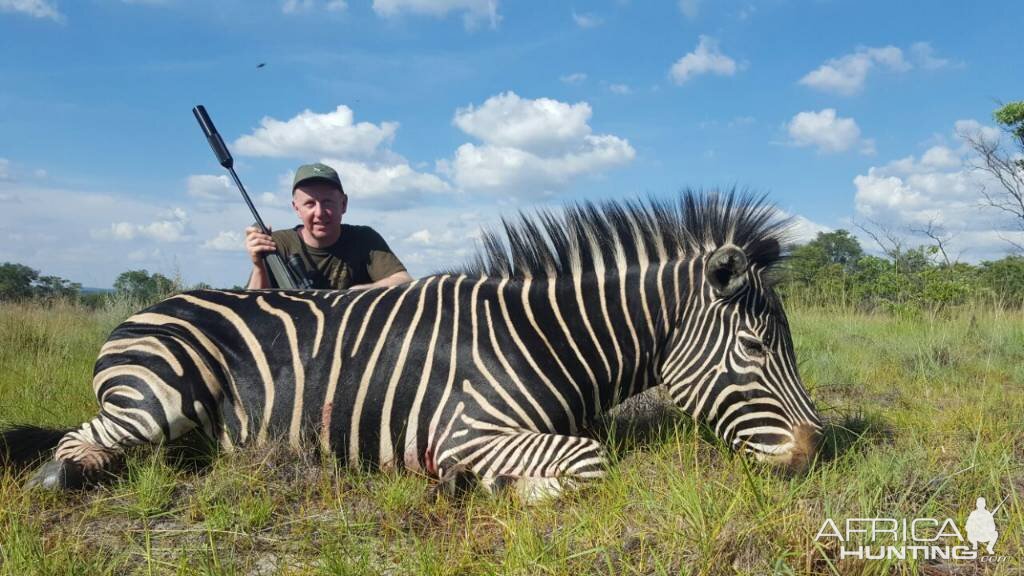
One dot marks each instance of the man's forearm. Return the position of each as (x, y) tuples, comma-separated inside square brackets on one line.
[(393, 280), (259, 278)]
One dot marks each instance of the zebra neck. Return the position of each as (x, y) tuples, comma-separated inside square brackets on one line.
[(606, 331)]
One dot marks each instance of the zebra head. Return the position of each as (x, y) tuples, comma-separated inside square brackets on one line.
[(731, 362)]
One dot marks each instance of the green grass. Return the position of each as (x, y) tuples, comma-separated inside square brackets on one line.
[(927, 414)]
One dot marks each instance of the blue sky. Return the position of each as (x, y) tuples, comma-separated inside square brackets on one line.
[(442, 115)]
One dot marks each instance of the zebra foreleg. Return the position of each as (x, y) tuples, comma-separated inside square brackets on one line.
[(84, 454), (96, 448), (534, 466)]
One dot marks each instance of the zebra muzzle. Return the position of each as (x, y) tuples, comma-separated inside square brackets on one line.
[(793, 457), (806, 440)]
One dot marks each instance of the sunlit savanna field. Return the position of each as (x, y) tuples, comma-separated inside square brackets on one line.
[(926, 414)]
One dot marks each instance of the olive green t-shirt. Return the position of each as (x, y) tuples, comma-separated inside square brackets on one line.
[(360, 256)]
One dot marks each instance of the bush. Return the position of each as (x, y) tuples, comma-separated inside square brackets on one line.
[(1003, 280)]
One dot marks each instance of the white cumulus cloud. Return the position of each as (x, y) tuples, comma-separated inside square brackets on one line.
[(173, 226), (938, 157), (473, 11), (705, 59), (924, 56), (826, 131), (846, 75), (360, 152), (802, 229), (385, 183), (272, 199), (211, 187), (312, 134), (976, 130), (539, 125), (226, 241), (432, 238), (530, 146), (940, 187), (34, 8), (420, 237)]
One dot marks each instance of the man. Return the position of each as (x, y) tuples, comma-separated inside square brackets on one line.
[(336, 255)]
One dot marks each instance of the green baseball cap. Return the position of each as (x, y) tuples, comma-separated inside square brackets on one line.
[(317, 172)]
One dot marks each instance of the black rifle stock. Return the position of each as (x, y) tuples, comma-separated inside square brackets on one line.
[(285, 275)]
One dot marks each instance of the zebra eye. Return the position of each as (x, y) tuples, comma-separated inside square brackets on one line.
[(752, 346)]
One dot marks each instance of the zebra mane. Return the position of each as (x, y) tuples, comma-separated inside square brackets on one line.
[(588, 236)]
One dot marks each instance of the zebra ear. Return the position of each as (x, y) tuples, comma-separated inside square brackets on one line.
[(726, 270)]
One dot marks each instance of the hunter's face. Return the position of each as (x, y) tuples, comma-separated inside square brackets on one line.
[(319, 207)]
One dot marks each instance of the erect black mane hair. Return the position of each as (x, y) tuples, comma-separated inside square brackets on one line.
[(587, 236)]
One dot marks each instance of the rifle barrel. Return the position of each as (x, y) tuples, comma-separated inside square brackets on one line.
[(283, 274)]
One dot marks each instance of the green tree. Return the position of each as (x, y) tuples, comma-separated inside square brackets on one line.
[(821, 269), (838, 248), (19, 282), (914, 260), (946, 285), (16, 281), (56, 287), (142, 286), (1011, 118), (1004, 280), (841, 248)]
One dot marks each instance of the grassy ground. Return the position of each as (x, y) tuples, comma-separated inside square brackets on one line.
[(928, 414)]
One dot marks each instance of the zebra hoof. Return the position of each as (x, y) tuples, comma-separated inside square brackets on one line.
[(58, 475)]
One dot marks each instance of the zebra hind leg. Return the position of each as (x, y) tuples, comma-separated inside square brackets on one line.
[(533, 466)]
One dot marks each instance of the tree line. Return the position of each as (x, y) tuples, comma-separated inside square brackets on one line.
[(19, 283), (834, 270)]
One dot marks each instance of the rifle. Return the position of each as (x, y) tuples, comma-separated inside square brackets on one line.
[(290, 274)]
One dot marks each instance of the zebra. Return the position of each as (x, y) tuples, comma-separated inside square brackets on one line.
[(488, 375)]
